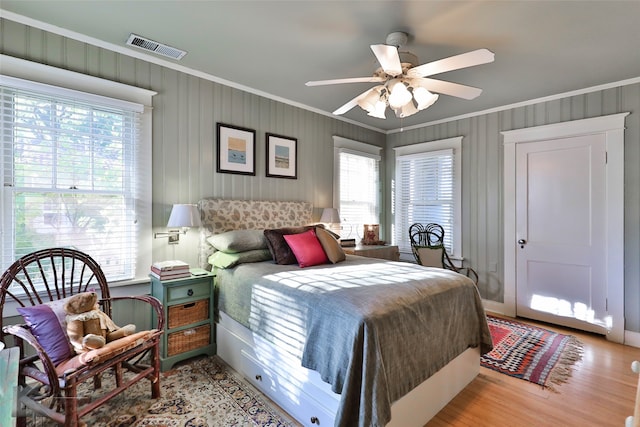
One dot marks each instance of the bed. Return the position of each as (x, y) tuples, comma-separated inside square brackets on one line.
[(362, 342)]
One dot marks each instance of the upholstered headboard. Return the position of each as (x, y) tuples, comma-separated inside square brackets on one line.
[(220, 215)]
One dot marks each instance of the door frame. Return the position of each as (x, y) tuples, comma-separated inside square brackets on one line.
[(612, 126)]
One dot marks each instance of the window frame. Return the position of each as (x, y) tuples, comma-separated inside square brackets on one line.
[(345, 145), (424, 148), (33, 76)]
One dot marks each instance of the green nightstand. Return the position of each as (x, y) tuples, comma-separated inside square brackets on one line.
[(188, 311)]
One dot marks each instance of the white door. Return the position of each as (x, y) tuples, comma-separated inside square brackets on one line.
[(561, 231)]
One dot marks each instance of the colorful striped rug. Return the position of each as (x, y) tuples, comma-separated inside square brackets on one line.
[(531, 353)]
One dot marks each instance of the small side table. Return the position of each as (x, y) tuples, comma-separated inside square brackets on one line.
[(188, 305), (391, 253)]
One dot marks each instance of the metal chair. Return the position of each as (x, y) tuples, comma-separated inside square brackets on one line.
[(38, 283), (427, 245)]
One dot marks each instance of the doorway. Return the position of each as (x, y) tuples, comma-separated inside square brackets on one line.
[(563, 218)]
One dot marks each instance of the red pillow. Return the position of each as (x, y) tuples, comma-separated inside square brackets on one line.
[(280, 250), (307, 248)]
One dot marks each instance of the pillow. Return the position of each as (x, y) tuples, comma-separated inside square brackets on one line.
[(46, 327), (111, 349), (331, 246), (238, 241), (430, 256), (228, 260), (280, 250), (321, 225), (307, 248)]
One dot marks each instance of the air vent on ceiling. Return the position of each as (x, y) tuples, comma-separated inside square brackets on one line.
[(155, 47)]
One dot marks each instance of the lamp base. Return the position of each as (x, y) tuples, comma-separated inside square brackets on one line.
[(174, 237)]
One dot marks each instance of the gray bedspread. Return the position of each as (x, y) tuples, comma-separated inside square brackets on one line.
[(373, 329)]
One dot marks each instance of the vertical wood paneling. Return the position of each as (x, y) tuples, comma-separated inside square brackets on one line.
[(187, 109), (185, 112), (482, 179)]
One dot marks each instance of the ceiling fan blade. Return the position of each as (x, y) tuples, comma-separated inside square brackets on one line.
[(447, 88), (464, 60), (388, 58), (372, 79), (349, 105)]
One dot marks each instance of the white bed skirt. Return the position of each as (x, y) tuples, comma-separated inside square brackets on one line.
[(302, 393)]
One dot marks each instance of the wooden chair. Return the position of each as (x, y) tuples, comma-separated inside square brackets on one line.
[(48, 380), (427, 245)]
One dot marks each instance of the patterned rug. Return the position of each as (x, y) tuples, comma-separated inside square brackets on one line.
[(203, 392), (531, 353)]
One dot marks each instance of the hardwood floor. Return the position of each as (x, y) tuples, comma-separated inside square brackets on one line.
[(600, 392)]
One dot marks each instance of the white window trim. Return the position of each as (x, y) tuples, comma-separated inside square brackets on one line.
[(15, 70), (341, 144), (345, 145), (455, 144)]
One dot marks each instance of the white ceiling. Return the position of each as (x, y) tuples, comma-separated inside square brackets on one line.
[(542, 48)]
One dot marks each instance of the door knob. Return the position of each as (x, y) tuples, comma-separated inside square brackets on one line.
[(522, 242)]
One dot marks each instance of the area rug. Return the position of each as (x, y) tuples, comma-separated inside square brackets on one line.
[(203, 392), (531, 353)]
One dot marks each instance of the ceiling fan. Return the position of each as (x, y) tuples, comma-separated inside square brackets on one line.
[(404, 86)]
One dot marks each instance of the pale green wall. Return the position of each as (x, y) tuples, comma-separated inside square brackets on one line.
[(185, 112), (482, 194), (187, 108)]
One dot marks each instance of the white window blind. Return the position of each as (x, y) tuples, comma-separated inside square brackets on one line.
[(359, 188), (425, 193), (70, 177)]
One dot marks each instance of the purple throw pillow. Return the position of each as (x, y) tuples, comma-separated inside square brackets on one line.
[(46, 328)]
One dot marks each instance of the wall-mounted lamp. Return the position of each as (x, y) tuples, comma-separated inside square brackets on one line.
[(181, 219)]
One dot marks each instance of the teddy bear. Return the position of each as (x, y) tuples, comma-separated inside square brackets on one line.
[(88, 327)]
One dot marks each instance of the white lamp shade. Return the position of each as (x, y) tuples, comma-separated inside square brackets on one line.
[(379, 110), (368, 101), (184, 216), (424, 98), (406, 110), (330, 216), (400, 95)]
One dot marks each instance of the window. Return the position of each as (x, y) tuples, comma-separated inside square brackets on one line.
[(72, 168), (427, 189), (358, 185)]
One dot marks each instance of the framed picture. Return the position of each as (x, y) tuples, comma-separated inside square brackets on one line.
[(282, 156), (236, 149)]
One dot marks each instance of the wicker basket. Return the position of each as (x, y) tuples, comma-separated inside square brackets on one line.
[(188, 339), (185, 314)]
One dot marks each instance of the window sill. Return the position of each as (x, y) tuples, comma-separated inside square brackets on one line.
[(117, 289)]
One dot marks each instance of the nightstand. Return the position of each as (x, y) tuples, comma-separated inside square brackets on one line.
[(392, 253), (188, 311)]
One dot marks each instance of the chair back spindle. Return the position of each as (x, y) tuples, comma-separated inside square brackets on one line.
[(427, 246)]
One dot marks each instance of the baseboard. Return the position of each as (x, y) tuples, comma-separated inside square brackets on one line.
[(632, 338), (494, 307)]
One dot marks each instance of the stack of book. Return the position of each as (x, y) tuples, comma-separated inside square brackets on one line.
[(169, 270)]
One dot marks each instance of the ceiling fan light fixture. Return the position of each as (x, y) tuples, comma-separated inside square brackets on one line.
[(424, 98), (409, 109), (368, 102), (399, 96), (378, 110)]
